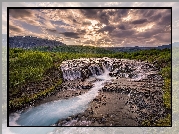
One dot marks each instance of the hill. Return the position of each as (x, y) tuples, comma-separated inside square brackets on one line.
[(30, 42)]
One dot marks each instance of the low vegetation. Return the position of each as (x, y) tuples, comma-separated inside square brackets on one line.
[(27, 66)]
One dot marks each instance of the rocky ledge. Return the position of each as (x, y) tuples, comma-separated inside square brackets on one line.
[(83, 68)]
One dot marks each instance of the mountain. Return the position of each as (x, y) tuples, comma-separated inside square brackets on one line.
[(31, 42)]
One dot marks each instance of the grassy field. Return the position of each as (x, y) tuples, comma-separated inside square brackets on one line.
[(31, 66)]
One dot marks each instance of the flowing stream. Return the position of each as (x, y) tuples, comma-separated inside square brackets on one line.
[(49, 113)]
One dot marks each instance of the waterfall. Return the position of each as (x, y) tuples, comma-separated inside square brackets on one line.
[(71, 74), (100, 68), (95, 70)]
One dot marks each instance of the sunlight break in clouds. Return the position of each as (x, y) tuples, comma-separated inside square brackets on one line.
[(97, 27)]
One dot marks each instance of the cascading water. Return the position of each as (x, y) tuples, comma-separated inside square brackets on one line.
[(49, 113)]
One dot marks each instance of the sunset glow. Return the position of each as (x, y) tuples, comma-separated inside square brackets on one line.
[(94, 27)]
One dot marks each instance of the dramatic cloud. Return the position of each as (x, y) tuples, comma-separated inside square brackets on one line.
[(52, 30), (20, 13), (70, 34), (107, 29), (141, 21), (25, 15), (15, 28), (95, 27), (122, 27)]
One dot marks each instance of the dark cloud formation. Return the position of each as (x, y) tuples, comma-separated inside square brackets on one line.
[(166, 37), (123, 33), (89, 13), (122, 12), (15, 28), (101, 27), (71, 35), (52, 30), (86, 23), (122, 27), (20, 13), (104, 18), (149, 33), (156, 17), (107, 29), (165, 20), (82, 32), (140, 21)]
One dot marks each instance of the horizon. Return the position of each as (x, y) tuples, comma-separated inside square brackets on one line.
[(94, 45), (94, 27)]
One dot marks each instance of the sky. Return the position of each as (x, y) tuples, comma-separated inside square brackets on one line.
[(95, 27)]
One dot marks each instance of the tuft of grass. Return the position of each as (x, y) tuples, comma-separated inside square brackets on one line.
[(24, 99), (26, 66), (166, 121)]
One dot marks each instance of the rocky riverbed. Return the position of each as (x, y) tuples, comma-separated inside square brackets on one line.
[(122, 103), (133, 96)]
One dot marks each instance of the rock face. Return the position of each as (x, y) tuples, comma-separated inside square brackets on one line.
[(81, 68), (84, 67)]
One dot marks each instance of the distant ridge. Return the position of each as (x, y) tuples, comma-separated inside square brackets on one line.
[(136, 48), (31, 42)]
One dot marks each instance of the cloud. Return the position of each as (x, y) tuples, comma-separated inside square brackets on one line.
[(15, 28), (156, 17), (150, 32), (123, 33), (123, 12), (107, 28), (79, 31), (113, 26), (89, 13), (122, 27), (140, 21), (71, 34), (52, 30), (104, 18), (89, 42), (149, 12), (48, 25), (165, 20), (25, 15), (20, 13), (86, 23), (163, 37)]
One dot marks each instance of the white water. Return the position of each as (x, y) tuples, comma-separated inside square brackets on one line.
[(49, 113)]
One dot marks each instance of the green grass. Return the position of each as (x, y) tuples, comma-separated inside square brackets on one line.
[(27, 66), (162, 122)]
